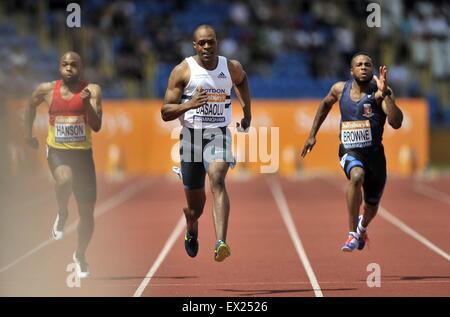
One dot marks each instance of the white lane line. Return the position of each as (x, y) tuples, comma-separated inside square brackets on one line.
[(106, 206), (437, 282), (408, 230), (283, 207), (432, 193), (162, 255), (383, 212)]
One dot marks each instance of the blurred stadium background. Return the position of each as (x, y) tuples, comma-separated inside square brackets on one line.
[(290, 50)]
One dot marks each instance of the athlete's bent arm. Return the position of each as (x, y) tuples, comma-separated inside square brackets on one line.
[(172, 109), (37, 98), (92, 101), (393, 113), (324, 108), (240, 81)]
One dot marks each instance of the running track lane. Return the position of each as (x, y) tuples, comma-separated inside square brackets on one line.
[(263, 260), (28, 214), (126, 237), (437, 190), (408, 268), (120, 248), (427, 215)]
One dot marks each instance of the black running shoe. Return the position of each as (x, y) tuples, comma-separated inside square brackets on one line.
[(191, 244), (82, 266)]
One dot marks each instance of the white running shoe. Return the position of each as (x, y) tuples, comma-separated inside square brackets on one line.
[(58, 228), (82, 266)]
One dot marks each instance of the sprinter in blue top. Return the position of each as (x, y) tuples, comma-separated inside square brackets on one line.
[(365, 103)]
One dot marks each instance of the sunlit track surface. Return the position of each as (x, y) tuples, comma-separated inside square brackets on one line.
[(140, 216)]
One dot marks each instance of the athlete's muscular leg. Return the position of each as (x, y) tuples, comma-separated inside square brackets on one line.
[(354, 196), (369, 213), (196, 199), (85, 226), (85, 191), (63, 187), (221, 203)]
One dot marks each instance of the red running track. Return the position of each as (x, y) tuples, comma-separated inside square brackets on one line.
[(272, 222)]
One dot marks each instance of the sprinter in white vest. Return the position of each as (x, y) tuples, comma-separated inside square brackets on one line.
[(198, 94)]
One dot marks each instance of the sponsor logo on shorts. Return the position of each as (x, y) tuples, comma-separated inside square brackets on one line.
[(343, 160)]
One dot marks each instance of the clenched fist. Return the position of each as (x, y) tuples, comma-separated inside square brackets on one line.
[(85, 95), (199, 99)]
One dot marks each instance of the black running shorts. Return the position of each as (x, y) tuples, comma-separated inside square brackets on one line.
[(82, 165), (199, 147), (373, 162)]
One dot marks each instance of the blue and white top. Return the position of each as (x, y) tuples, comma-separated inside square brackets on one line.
[(218, 84), (362, 122)]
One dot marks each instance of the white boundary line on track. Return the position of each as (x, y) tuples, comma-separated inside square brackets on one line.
[(383, 212), (432, 193), (437, 282), (408, 230), (106, 206), (283, 207), (162, 255)]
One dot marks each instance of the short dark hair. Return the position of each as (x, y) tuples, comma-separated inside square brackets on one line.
[(202, 26), (359, 54)]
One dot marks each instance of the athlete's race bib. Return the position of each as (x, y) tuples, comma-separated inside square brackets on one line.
[(70, 129), (210, 113), (356, 134)]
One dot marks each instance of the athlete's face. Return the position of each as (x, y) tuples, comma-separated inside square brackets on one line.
[(70, 69), (205, 44), (362, 69)]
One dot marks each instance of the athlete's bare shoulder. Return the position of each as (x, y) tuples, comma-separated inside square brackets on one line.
[(337, 89), (43, 92), (234, 63), (236, 71), (180, 73), (46, 87), (94, 88)]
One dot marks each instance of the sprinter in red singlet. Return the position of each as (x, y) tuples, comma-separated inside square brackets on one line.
[(74, 111)]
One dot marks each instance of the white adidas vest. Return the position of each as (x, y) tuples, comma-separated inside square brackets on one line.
[(218, 84)]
